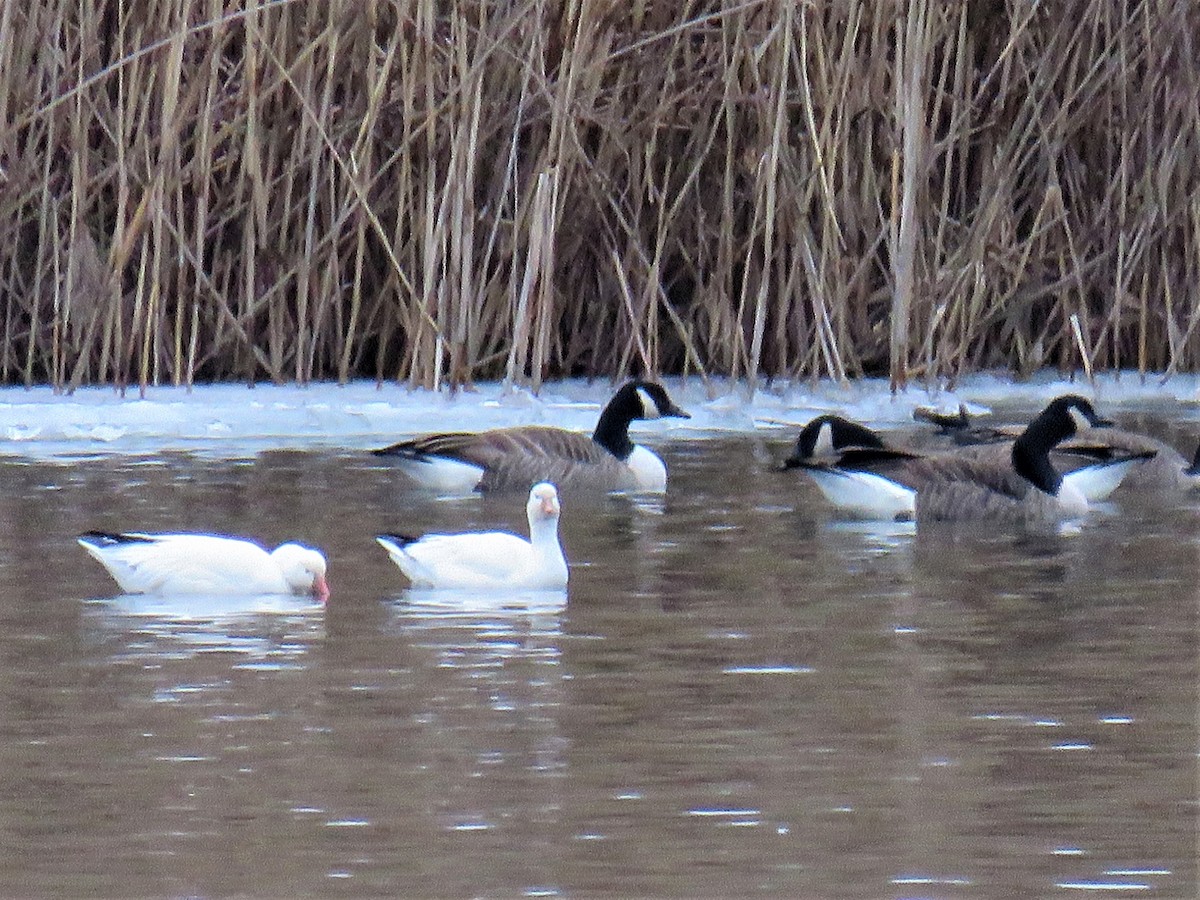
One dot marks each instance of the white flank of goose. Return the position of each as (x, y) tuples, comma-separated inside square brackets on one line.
[(1003, 483), (515, 458), (488, 560), (177, 564)]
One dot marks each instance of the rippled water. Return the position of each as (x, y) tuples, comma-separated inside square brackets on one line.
[(742, 697)]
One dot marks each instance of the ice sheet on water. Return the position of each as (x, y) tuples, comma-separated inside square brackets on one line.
[(236, 420)]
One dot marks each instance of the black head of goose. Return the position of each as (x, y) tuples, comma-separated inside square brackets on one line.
[(832, 440), (845, 459), (515, 458), (1064, 417)]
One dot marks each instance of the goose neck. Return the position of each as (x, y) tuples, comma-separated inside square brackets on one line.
[(612, 431), (1031, 458)]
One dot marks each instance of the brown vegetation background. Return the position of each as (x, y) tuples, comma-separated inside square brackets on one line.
[(451, 191)]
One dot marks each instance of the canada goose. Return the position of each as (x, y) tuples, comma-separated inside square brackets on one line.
[(171, 564), (514, 458), (494, 559), (1165, 468), (994, 482)]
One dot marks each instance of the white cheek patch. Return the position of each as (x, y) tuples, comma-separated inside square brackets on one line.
[(823, 446), (649, 407), (1080, 420)]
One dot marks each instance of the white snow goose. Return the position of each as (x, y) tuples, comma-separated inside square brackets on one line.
[(179, 564), (514, 458), (488, 560)]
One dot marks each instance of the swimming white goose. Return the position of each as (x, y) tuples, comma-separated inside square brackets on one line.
[(178, 564), (1015, 483), (491, 560), (515, 458)]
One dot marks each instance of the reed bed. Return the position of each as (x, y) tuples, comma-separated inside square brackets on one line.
[(478, 189)]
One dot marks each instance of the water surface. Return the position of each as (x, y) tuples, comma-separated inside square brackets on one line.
[(742, 697)]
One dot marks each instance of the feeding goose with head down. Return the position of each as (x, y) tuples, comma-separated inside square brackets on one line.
[(190, 564), (488, 560), (514, 458), (1017, 484)]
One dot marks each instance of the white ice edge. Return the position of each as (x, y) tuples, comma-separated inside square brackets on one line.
[(237, 420)]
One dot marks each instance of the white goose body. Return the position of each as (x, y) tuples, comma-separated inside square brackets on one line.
[(1004, 483), (182, 564), (514, 458), (865, 495), (488, 560)]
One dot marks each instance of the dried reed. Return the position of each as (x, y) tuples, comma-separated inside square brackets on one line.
[(444, 192)]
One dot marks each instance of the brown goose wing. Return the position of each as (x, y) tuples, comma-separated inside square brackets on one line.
[(489, 448), (429, 445), (986, 466), (524, 456), (514, 458), (601, 472), (961, 486)]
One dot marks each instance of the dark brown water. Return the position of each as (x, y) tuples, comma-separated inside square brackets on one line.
[(741, 698)]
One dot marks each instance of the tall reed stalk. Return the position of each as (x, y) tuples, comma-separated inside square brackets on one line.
[(443, 192)]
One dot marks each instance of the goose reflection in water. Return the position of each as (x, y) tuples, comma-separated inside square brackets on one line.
[(268, 629)]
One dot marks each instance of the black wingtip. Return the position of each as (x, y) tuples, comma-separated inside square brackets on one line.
[(390, 450), (402, 540), (113, 538)]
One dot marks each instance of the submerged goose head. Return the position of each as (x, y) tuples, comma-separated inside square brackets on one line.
[(303, 569), (635, 399), (1063, 418)]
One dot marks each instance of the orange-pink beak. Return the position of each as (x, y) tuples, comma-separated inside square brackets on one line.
[(549, 507), (320, 588)]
